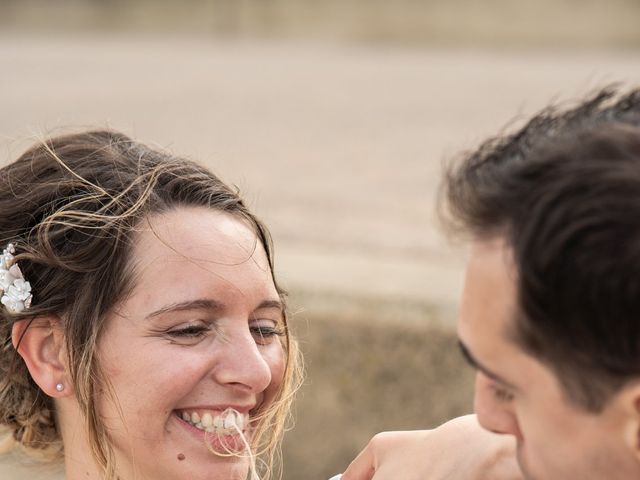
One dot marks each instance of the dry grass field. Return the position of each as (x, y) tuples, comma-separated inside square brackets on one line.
[(496, 23), (367, 373), (339, 148)]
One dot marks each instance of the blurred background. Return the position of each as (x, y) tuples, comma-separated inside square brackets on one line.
[(334, 118)]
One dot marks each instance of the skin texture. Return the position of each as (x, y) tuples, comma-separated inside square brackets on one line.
[(456, 450), (204, 356), (516, 394)]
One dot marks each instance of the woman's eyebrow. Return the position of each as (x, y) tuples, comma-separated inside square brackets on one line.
[(271, 304), (198, 304)]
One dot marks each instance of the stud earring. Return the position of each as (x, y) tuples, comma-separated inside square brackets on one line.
[(59, 387)]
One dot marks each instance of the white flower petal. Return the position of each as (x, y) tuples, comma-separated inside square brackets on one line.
[(16, 291), (15, 271), (6, 279)]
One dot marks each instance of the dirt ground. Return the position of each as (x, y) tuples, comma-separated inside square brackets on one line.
[(340, 149)]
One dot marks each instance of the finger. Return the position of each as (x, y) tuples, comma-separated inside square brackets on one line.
[(363, 467)]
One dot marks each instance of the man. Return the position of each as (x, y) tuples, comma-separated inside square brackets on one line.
[(550, 314)]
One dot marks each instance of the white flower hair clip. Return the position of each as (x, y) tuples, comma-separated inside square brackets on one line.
[(16, 292)]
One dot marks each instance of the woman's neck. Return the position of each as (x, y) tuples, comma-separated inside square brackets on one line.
[(79, 463)]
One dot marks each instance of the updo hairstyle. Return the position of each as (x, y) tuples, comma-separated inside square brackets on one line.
[(71, 205)]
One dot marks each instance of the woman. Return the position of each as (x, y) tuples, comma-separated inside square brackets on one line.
[(143, 333)]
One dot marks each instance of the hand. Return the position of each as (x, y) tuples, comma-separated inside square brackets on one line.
[(457, 450)]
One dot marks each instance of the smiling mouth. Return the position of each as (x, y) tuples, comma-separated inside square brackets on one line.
[(228, 422)]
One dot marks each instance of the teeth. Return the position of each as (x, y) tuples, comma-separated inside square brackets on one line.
[(229, 421), (226, 421), (207, 420), (218, 422)]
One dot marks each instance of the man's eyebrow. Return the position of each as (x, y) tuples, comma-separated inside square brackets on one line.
[(198, 304), (478, 366)]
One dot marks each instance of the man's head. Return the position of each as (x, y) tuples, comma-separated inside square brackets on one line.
[(551, 310)]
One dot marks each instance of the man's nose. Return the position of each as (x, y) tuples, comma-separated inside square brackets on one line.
[(494, 414)]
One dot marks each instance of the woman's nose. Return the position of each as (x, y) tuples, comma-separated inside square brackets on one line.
[(494, 414), (241, 363)]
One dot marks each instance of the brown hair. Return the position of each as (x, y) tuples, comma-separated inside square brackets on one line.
[(71, 205), (565, 193)]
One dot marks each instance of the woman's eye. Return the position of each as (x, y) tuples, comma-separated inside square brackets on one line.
[(190, 331), (265, 334)]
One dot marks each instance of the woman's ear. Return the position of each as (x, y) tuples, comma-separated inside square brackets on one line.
[(40, 343)]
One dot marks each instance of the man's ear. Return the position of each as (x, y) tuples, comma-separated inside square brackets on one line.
[(628, 399), (40, 343)]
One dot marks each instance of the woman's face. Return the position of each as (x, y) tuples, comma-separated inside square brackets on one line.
[(199, 333)]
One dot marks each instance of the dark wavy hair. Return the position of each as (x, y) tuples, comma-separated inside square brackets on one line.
[(564, 191)]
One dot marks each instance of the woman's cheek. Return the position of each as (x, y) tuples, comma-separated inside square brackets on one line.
[(276, 358)]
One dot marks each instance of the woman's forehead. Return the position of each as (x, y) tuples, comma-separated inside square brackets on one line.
[(189, 248), (180, 224), (198, 233)]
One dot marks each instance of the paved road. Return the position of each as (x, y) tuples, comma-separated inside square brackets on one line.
[(339, 148)]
